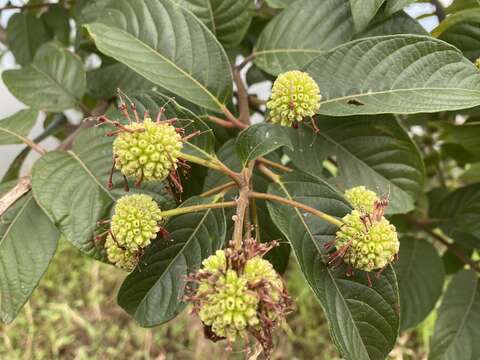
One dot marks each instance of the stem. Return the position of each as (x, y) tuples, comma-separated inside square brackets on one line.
[(23, 186), (441, 239), (439, 10), (233, 119), (203, 162), (196, 208), (26, 141), (243, 106), (242, 204), (273, 164), (221, 122), (268, 173), (218, 189), (318, 213)]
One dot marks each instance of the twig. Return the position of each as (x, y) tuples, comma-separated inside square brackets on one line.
[(243, 106), (441, 239), (38, 148), (218, 189), (23, 186), (233, 119), (279, 199), (439, 9), (242, 205), (245, 61), (221, 122), (275, 165), (196, 208)]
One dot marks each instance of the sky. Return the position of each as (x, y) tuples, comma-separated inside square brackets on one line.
[(10, 105)]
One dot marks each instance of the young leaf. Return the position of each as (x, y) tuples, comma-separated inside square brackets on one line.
[(55, 81), (167, 45), (363, 11), (71, 187), (420, 276), (382, 75), (371, 151), (456, 330), (25, 34), (364, 320), (227, 19), (153, 293), (17, 126), (260, 139), (28, 241)]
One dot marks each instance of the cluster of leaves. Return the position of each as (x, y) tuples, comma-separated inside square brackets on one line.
[(398, 115)]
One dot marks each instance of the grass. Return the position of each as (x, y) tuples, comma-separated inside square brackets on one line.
[(73, 315)]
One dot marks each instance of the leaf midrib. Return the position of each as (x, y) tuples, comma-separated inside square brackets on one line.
[(297, 211)]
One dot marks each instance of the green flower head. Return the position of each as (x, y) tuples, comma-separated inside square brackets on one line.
[(361, 199)]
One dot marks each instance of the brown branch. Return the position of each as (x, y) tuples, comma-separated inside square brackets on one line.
[(439, 10), (275, 165), (243, 106), (233, 119), (242, 205), (441, 239), (23, 186), (221, 122)]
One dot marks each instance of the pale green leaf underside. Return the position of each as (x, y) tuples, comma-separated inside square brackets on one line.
[(421, 276), (153, 292), (71, 187), (17, 126), (363, 320), (227, 19), (395, 74), (456, 331), (167, 45), (54, 81), (307, 28), (28, 241)]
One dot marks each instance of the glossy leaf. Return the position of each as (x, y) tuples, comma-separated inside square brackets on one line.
[(456, 330), (71, 187), (169, 46), (227, 19), (371, 151), (25, 34), (28, 241), (381, 75), (420, 276), (16, 126), (153, 293), (260, 139), (55, 81), (364, 320)]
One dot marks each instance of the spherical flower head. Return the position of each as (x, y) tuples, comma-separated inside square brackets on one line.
[(361, 199), (149, 151), (119, 256), (295, 95), (135, 221), (367, 245), (228, 301)]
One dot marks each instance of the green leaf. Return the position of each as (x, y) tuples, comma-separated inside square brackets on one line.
[(55, 81), (466, 136), (153, 293), (308, 28), (56, 19), (364, 320), (71, 187), (420, 276), (17, 126), (25, 34), (458, 5), (459, 213), (456, 330), (381, 75), (28, 241), (400, 23), (227, 19), (104, 82), (392, 6), (372, 151), (363, 11), (260, 139), (279, 4), (167, 45)]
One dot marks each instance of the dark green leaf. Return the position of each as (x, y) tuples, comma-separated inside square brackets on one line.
[(392, 6), (381, 75), (420, 276), (261, 139), (466, 37), (55, 81), (56, 19), (456, 330), (227, 19), (371, 151), (363, 11), (153, 293), (167, 45), (25, 34), (27, 244), (451, 262), (466, 136), (279, 4), (71, 187), (19, 125), (364, 320)]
